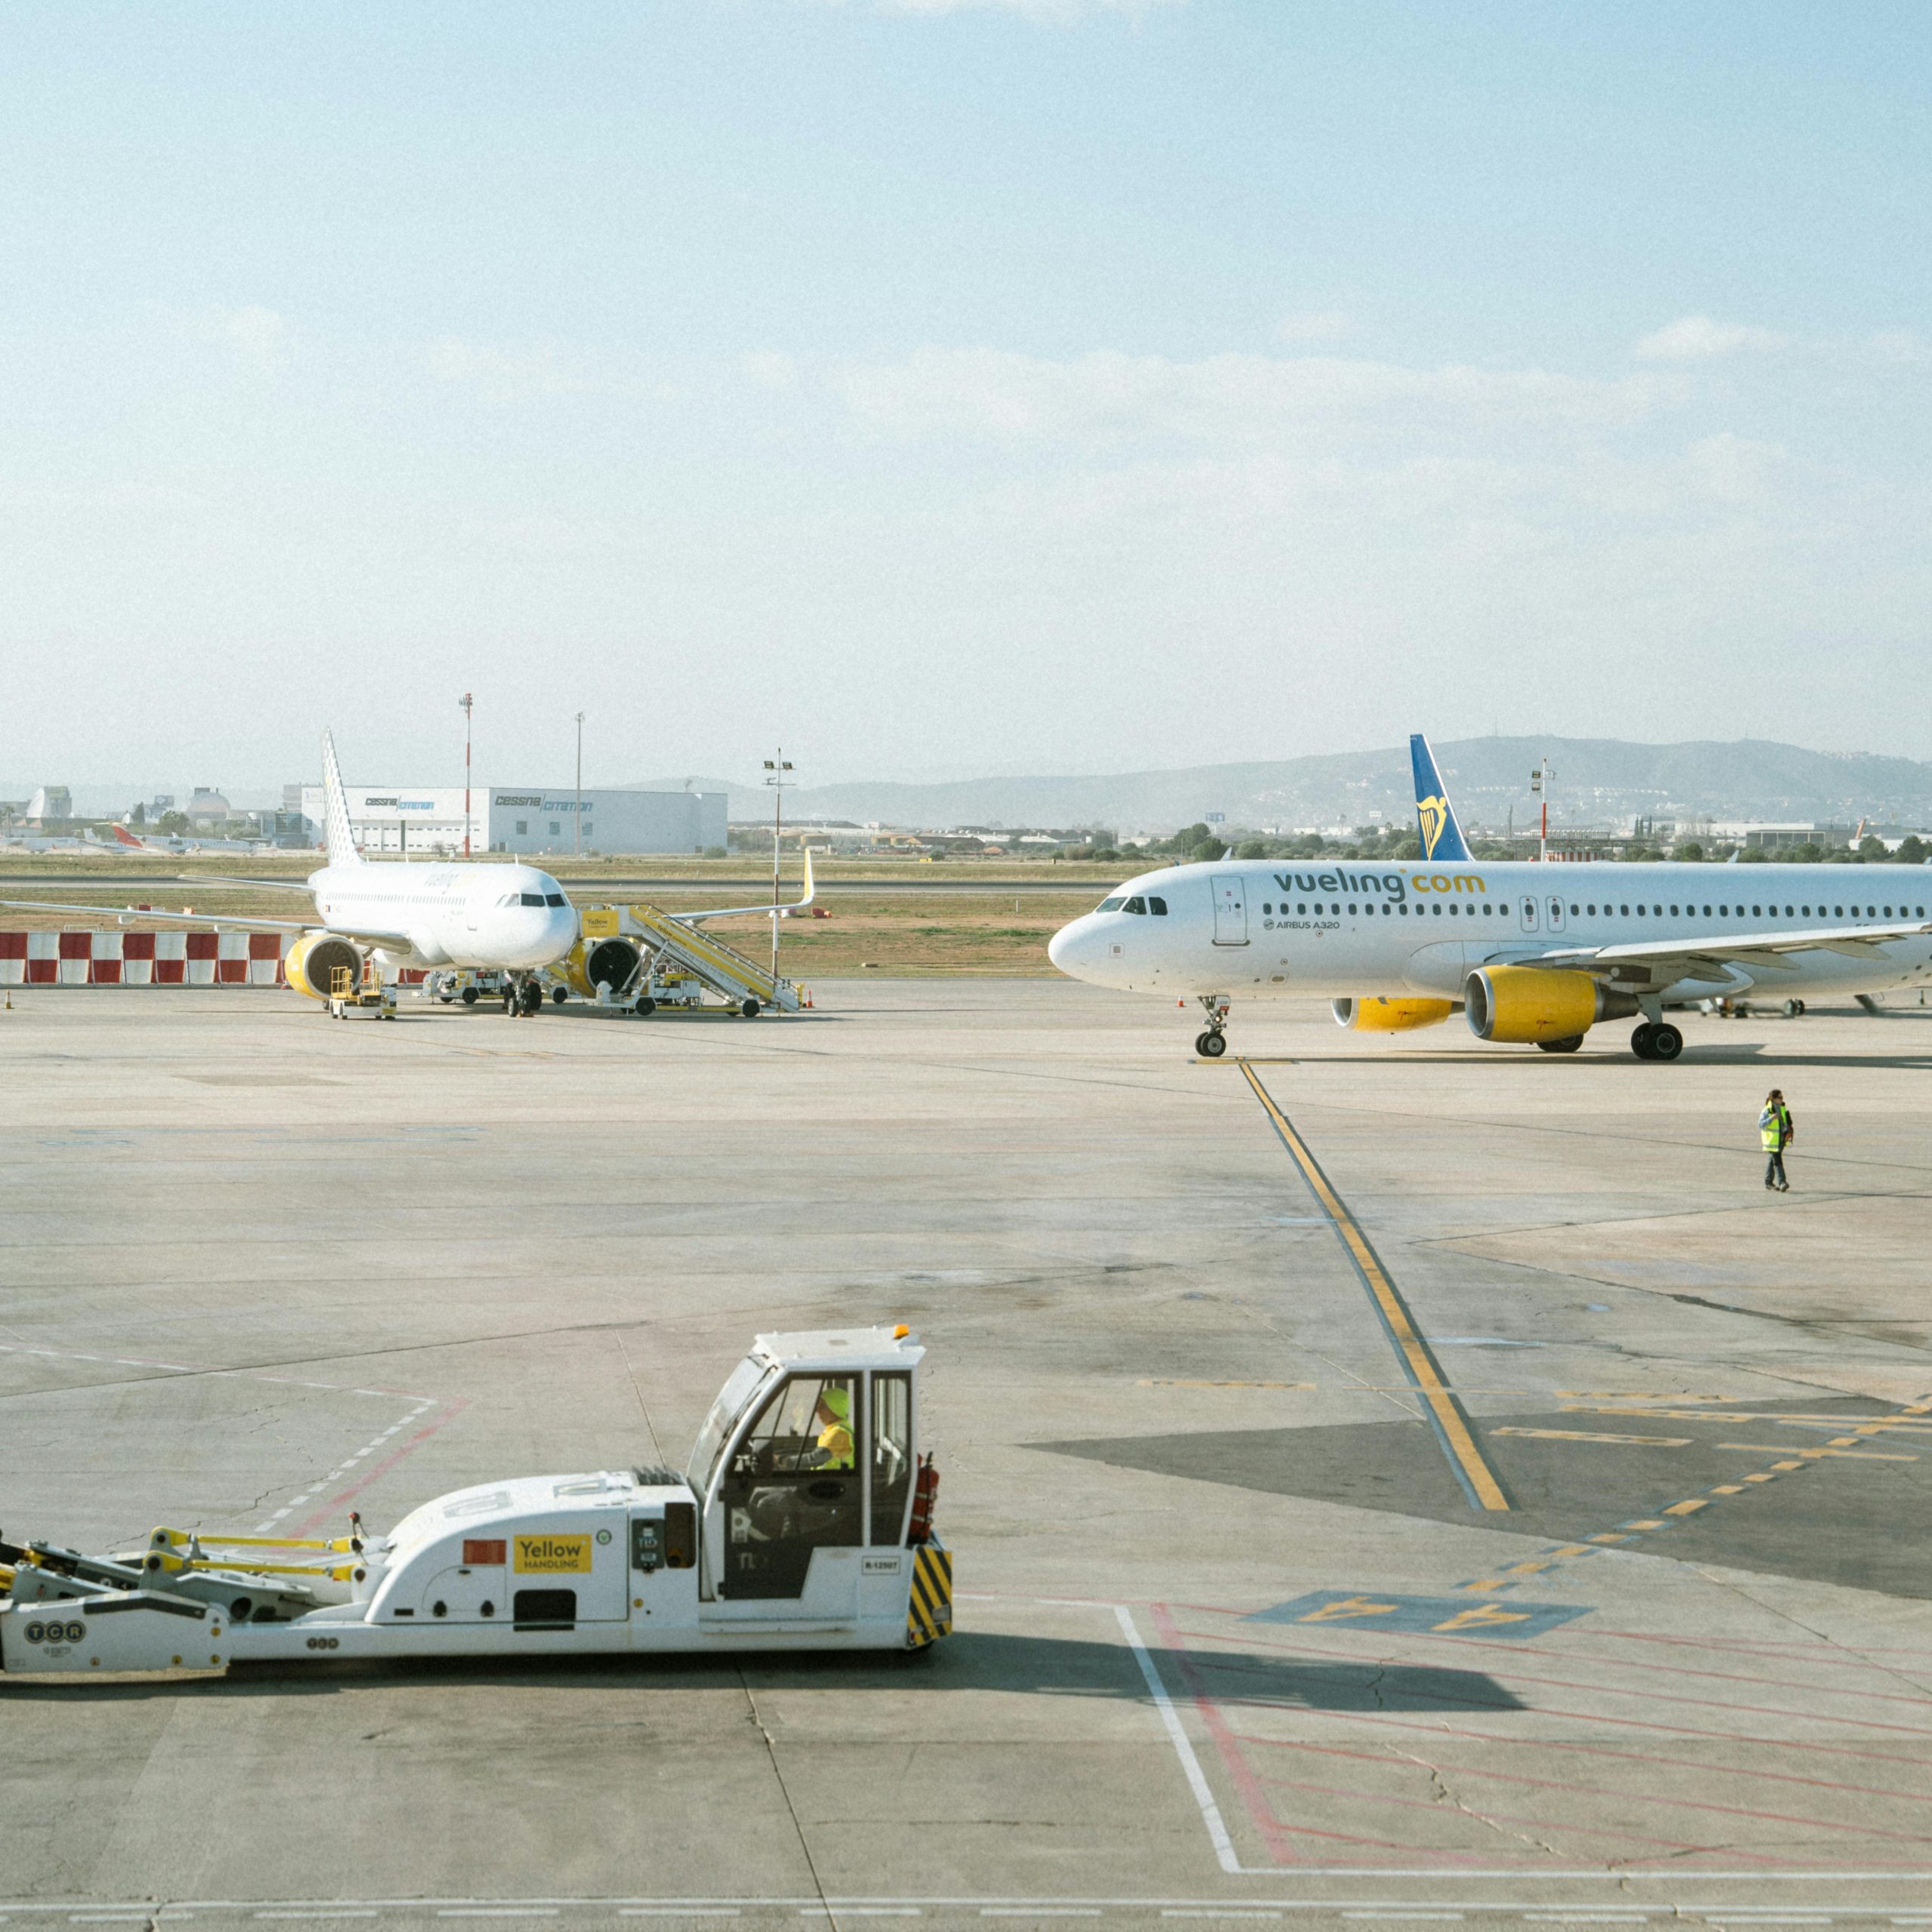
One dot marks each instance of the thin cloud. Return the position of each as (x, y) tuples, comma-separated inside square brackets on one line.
[(1699, 338), (252, 333)]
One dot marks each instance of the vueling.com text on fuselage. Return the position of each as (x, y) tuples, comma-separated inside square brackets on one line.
[(1392, 886)]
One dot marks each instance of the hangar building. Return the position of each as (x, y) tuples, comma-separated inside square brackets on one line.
[(427, 820)]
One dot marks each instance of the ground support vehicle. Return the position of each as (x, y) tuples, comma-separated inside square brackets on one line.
[(369, 997), (644, 958), (803, 1522), (468, 984)]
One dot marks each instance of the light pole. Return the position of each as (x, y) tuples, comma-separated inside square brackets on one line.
[(775, 769), (580, 784), (1539, 785), (466, 703)]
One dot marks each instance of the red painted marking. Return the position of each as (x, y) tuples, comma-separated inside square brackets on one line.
[(1632, 1696), (1541, 1744), (311, 1522), (1599, 1791), (1674, 1846), (1239, 1768)]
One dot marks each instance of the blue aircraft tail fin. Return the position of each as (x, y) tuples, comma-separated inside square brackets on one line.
[(1435, 816)]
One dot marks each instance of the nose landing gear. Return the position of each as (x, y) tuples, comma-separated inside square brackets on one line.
[(1212, 1044)]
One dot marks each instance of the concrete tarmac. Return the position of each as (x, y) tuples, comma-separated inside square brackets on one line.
[(1390, 1480)]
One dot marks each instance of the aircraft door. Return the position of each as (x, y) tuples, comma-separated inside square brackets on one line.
[(1230, 909), (1552, 908), (1527, 912), (794, 1484)]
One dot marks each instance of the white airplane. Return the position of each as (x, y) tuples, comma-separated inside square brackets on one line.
[(173, 845), (507, 918), (1531, 953)]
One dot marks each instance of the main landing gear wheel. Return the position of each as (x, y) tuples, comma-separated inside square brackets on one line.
[(1666, 1042), (1641, 1037), (1211, 1045), (1568, 1046)]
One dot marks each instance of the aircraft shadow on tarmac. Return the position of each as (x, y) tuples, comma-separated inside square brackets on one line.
[(993, 1662), (1828, 1516)]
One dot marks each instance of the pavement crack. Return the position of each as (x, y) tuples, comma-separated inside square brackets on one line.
[(784, 1792), (1441, 1794)]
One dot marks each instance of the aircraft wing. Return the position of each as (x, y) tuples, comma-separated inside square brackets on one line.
[(219, 921), (767, 908), (1666, 962)]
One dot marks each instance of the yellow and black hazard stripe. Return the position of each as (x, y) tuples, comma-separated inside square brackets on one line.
[(929, 1615)]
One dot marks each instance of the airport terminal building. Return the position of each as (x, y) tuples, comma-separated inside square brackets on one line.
[(425, 821), (529, 820)]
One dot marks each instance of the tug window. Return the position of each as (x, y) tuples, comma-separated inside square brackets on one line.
[(792, 1486), (891, 1455), (1158, 907)]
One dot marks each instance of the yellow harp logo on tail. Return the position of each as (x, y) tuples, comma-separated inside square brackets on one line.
[(1434, 814)]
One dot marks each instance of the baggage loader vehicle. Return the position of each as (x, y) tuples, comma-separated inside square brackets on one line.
[(802, 1521)]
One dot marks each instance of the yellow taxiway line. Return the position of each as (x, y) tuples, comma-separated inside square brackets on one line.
[(1479, 1482)]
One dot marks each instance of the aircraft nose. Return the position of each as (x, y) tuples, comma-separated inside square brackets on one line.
[(1064, 948)]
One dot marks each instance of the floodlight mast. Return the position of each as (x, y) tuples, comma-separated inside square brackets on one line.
[(465, 704), (1539, 785), (578, 827), (775, 769)]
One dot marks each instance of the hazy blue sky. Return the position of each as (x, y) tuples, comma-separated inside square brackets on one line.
[(955, 387)]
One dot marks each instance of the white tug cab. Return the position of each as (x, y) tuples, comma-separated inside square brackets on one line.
[(803, 1522)]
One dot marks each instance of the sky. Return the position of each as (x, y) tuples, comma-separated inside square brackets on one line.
[(947, 387)]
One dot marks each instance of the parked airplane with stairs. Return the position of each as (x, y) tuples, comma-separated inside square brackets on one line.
[(1531, 954)]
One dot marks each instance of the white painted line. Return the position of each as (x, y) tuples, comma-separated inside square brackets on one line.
[(1211, 1812), (1382, 1917), (1039, 1912), (1170, 1912), (365, 1914), (678, 1911), (499, 1911), (1632, 1917)]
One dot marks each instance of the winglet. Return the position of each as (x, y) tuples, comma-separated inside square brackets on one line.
[(335, 810), (1435, 816)]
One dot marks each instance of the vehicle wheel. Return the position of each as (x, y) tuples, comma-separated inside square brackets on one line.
[(470, 996), (749, 1009), (558, 995), (645, 1007), (448, 999), (1568, 1046), (1666, 1042), (1792, 1009), (1641, 1038), (1212, 1045), (1800, 1005)]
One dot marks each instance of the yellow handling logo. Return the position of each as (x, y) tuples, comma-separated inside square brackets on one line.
[(1434, 814), (552, 1556)]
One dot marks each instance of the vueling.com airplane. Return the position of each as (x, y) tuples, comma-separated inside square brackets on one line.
[(1533, 954)]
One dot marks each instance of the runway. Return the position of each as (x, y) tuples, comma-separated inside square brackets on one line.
[(1391, 1480)]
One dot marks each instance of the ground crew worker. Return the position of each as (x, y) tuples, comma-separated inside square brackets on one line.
[(833, 1415), (1776, 1132)]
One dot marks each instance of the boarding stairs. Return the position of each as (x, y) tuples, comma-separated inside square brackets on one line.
[(720, 966)]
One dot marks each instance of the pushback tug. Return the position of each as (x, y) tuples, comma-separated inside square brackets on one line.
[(803, 1522)]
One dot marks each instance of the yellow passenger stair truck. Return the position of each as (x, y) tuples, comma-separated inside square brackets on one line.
[(802, 1521)]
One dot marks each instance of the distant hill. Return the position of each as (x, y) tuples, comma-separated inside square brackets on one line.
[(1598, 781)]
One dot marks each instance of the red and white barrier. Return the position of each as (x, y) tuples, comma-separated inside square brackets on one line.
[(117, 958)]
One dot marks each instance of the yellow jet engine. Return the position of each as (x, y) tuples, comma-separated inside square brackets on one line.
[(608, 961), (1377, 1015), (1527, 1004), (314, 960)]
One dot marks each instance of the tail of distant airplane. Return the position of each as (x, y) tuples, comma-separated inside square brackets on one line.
[(1435, 816), (126, 839), (335, 810)]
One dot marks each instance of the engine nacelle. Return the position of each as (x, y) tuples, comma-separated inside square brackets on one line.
[(1526, 1004), (610, 962), (1377, 1015), (315, 959)]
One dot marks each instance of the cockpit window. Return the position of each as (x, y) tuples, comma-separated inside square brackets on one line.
[(730, 1404), (533, 898), (1136, 905), (1112, 905), (554, 899), (1157, 907)]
